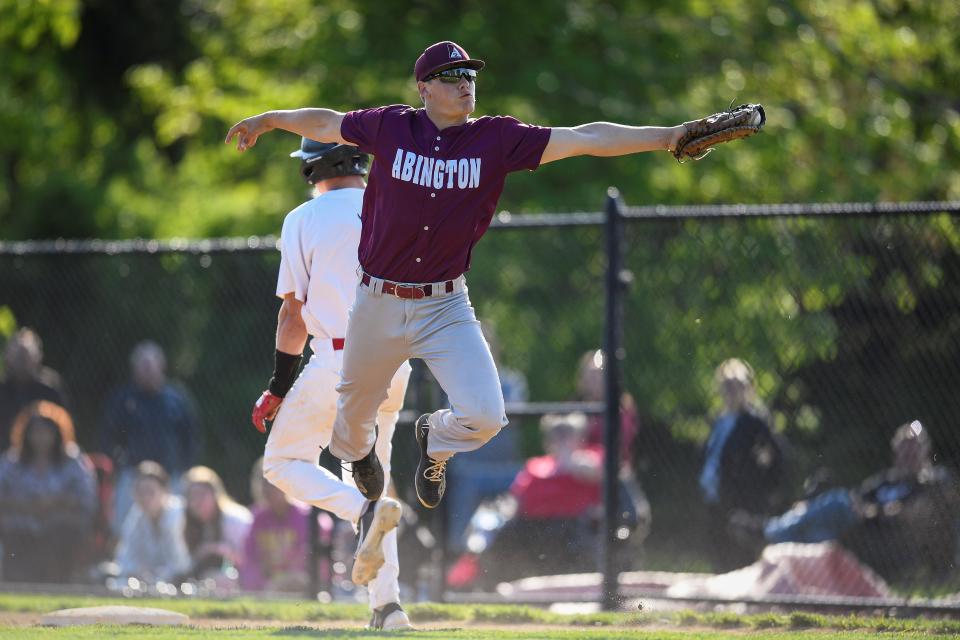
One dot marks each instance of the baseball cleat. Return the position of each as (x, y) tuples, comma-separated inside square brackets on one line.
[(390, 617), (368, 475), (431, 474), (380, 517)]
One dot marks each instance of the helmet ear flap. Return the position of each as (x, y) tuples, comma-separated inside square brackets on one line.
[(307, 173)]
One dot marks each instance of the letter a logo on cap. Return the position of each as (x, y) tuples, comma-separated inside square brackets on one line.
[(454, 53)]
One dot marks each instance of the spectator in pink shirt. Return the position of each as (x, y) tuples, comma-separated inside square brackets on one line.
[(275, 552)]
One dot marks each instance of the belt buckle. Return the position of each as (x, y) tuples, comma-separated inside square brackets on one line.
[(409, 291)]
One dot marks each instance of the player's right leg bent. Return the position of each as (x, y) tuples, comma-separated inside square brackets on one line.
[(453, 347), (301, 428)]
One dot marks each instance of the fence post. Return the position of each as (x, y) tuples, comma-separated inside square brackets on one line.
[(613, 354)]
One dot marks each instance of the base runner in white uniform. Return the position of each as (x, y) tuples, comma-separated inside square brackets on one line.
[(317, 283)]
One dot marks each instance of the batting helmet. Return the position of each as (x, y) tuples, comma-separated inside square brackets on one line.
[(322, 160)]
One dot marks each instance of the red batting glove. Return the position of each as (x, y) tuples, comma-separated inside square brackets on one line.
[(265, 409)]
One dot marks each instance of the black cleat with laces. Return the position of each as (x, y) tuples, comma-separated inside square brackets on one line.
[(431, 474), (368, 475)]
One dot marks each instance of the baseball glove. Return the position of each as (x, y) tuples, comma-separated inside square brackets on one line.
[(725, 126)]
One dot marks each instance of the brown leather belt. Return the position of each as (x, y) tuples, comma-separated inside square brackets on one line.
[(409, 291), (337, 343)]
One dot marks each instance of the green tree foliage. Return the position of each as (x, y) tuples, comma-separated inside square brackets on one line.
[(119, 107)]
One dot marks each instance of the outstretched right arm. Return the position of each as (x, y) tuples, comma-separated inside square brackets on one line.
[(322, 125)]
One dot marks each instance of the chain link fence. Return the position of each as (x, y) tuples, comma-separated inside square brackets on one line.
[(848, 317)]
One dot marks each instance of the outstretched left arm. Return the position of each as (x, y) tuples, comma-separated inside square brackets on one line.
[(608, 139)]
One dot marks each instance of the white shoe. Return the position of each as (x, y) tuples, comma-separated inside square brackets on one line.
[(380, 517), (390, 617)]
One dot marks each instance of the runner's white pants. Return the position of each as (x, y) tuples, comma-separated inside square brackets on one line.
[(304, 424), (384, 331)]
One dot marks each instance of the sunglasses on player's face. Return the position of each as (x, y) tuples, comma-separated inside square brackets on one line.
[(453, 76)]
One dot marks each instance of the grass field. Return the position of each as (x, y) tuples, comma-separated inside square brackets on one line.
[(453, 633), (20, 614)]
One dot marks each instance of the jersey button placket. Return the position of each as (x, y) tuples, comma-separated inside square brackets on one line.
[(436, 148), (424, 240)]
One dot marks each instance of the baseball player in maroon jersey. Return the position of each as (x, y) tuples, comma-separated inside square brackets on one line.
[(432, 192)]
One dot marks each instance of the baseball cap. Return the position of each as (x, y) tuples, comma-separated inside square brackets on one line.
[(444, 55)]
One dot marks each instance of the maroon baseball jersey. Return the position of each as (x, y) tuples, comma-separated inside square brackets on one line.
[(431, 193)]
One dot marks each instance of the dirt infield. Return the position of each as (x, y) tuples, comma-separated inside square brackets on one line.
[(16, 619)]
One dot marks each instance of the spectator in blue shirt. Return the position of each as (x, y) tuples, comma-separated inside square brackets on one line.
[(150, 418), (744, 467)]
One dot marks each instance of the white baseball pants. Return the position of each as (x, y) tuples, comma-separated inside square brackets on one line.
[(304, 424), (384, 331)]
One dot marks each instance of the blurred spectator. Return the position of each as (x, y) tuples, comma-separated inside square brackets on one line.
[(564, 483), (591, 383), (744, 465), (152, 546), (551, 524), (149, 418), (25, 380), (46, 498), (277, 546), (216, 527), (488, 471), (590, 388), (900, 521), (104, 537), (513, 383)]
